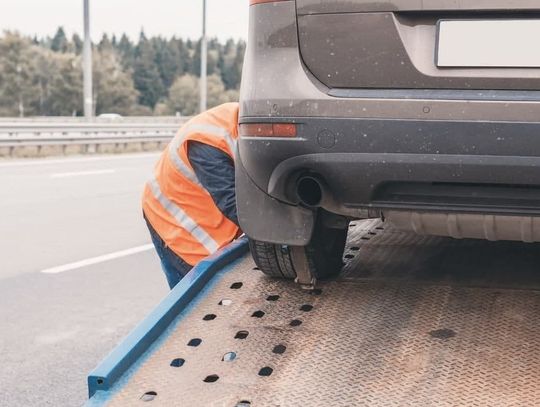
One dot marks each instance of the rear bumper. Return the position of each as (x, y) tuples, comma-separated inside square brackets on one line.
[(267, 219), (447, 183), (485, 167)]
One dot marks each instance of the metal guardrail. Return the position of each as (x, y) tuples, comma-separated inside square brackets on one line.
[(28, 138), (71, 119), (44, 141), (36, 139), (54, 146), (14, 130)]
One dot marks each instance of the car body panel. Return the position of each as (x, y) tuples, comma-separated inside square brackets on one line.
[(362, 6), (410, 141), (276, 83), (384, 50), (364, 155)]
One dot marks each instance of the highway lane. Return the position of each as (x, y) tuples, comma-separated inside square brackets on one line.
[(92, 204), (55, 327)]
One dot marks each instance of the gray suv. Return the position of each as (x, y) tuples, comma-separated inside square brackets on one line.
[(423, 113)]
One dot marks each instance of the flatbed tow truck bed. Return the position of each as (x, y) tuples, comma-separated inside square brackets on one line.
[(412, 321)]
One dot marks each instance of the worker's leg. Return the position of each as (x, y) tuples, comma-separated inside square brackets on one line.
[(173, 266)]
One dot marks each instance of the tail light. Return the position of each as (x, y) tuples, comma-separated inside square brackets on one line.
[(252, 2), (268, 130)]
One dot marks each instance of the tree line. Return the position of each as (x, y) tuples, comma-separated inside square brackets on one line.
[(151, 76)]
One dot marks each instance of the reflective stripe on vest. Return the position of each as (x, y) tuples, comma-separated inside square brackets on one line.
[(179, 164), (175, 202), (182, 218)]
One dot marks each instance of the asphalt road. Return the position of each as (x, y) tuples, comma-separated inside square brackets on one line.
[(63, 304)]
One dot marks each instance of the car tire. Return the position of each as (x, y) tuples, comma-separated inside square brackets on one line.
[(324, 254)]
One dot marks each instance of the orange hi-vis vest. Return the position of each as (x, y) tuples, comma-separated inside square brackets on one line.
[(177, 206)]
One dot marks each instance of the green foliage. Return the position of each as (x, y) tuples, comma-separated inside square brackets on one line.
[(184, 94), (113, 91), (76, 44), (127, 52), (64, 86), (19, 88), (59, 42), (151, 76), (146, 74)]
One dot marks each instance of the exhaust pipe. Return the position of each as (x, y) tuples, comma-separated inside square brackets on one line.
[(310, 191)]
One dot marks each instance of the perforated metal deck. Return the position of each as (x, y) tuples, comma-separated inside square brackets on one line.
[(413, 321)]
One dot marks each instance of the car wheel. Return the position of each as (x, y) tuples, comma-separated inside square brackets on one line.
[(324, 254)]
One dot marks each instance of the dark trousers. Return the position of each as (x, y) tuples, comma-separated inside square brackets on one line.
[(173, 266)]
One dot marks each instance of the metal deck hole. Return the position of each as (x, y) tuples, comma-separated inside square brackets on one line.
[(379, 228), (279, 349), (211, 379), (272, 298), (229, 357), (266, 371), (256, 268), (258, 314), (295, 322), (352, 225), (236, 286), (365, 238), (149, 396), (179, 362), (209, 317), (349, 256), (243, 403), (226, 302), (306, 307), (371, 233), (355, 248), (194, 342), (442, 333), (241, 335)]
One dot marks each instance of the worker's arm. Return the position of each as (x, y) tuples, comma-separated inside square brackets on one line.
[(215, 171)]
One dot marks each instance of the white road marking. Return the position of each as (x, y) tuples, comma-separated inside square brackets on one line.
[(98, 259), (31, 162), (79, 173)]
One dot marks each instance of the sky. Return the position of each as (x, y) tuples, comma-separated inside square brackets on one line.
[(182, 18)]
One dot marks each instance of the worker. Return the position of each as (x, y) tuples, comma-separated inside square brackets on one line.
[(190, 204)]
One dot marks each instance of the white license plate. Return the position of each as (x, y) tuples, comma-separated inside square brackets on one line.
[(488, 43)]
